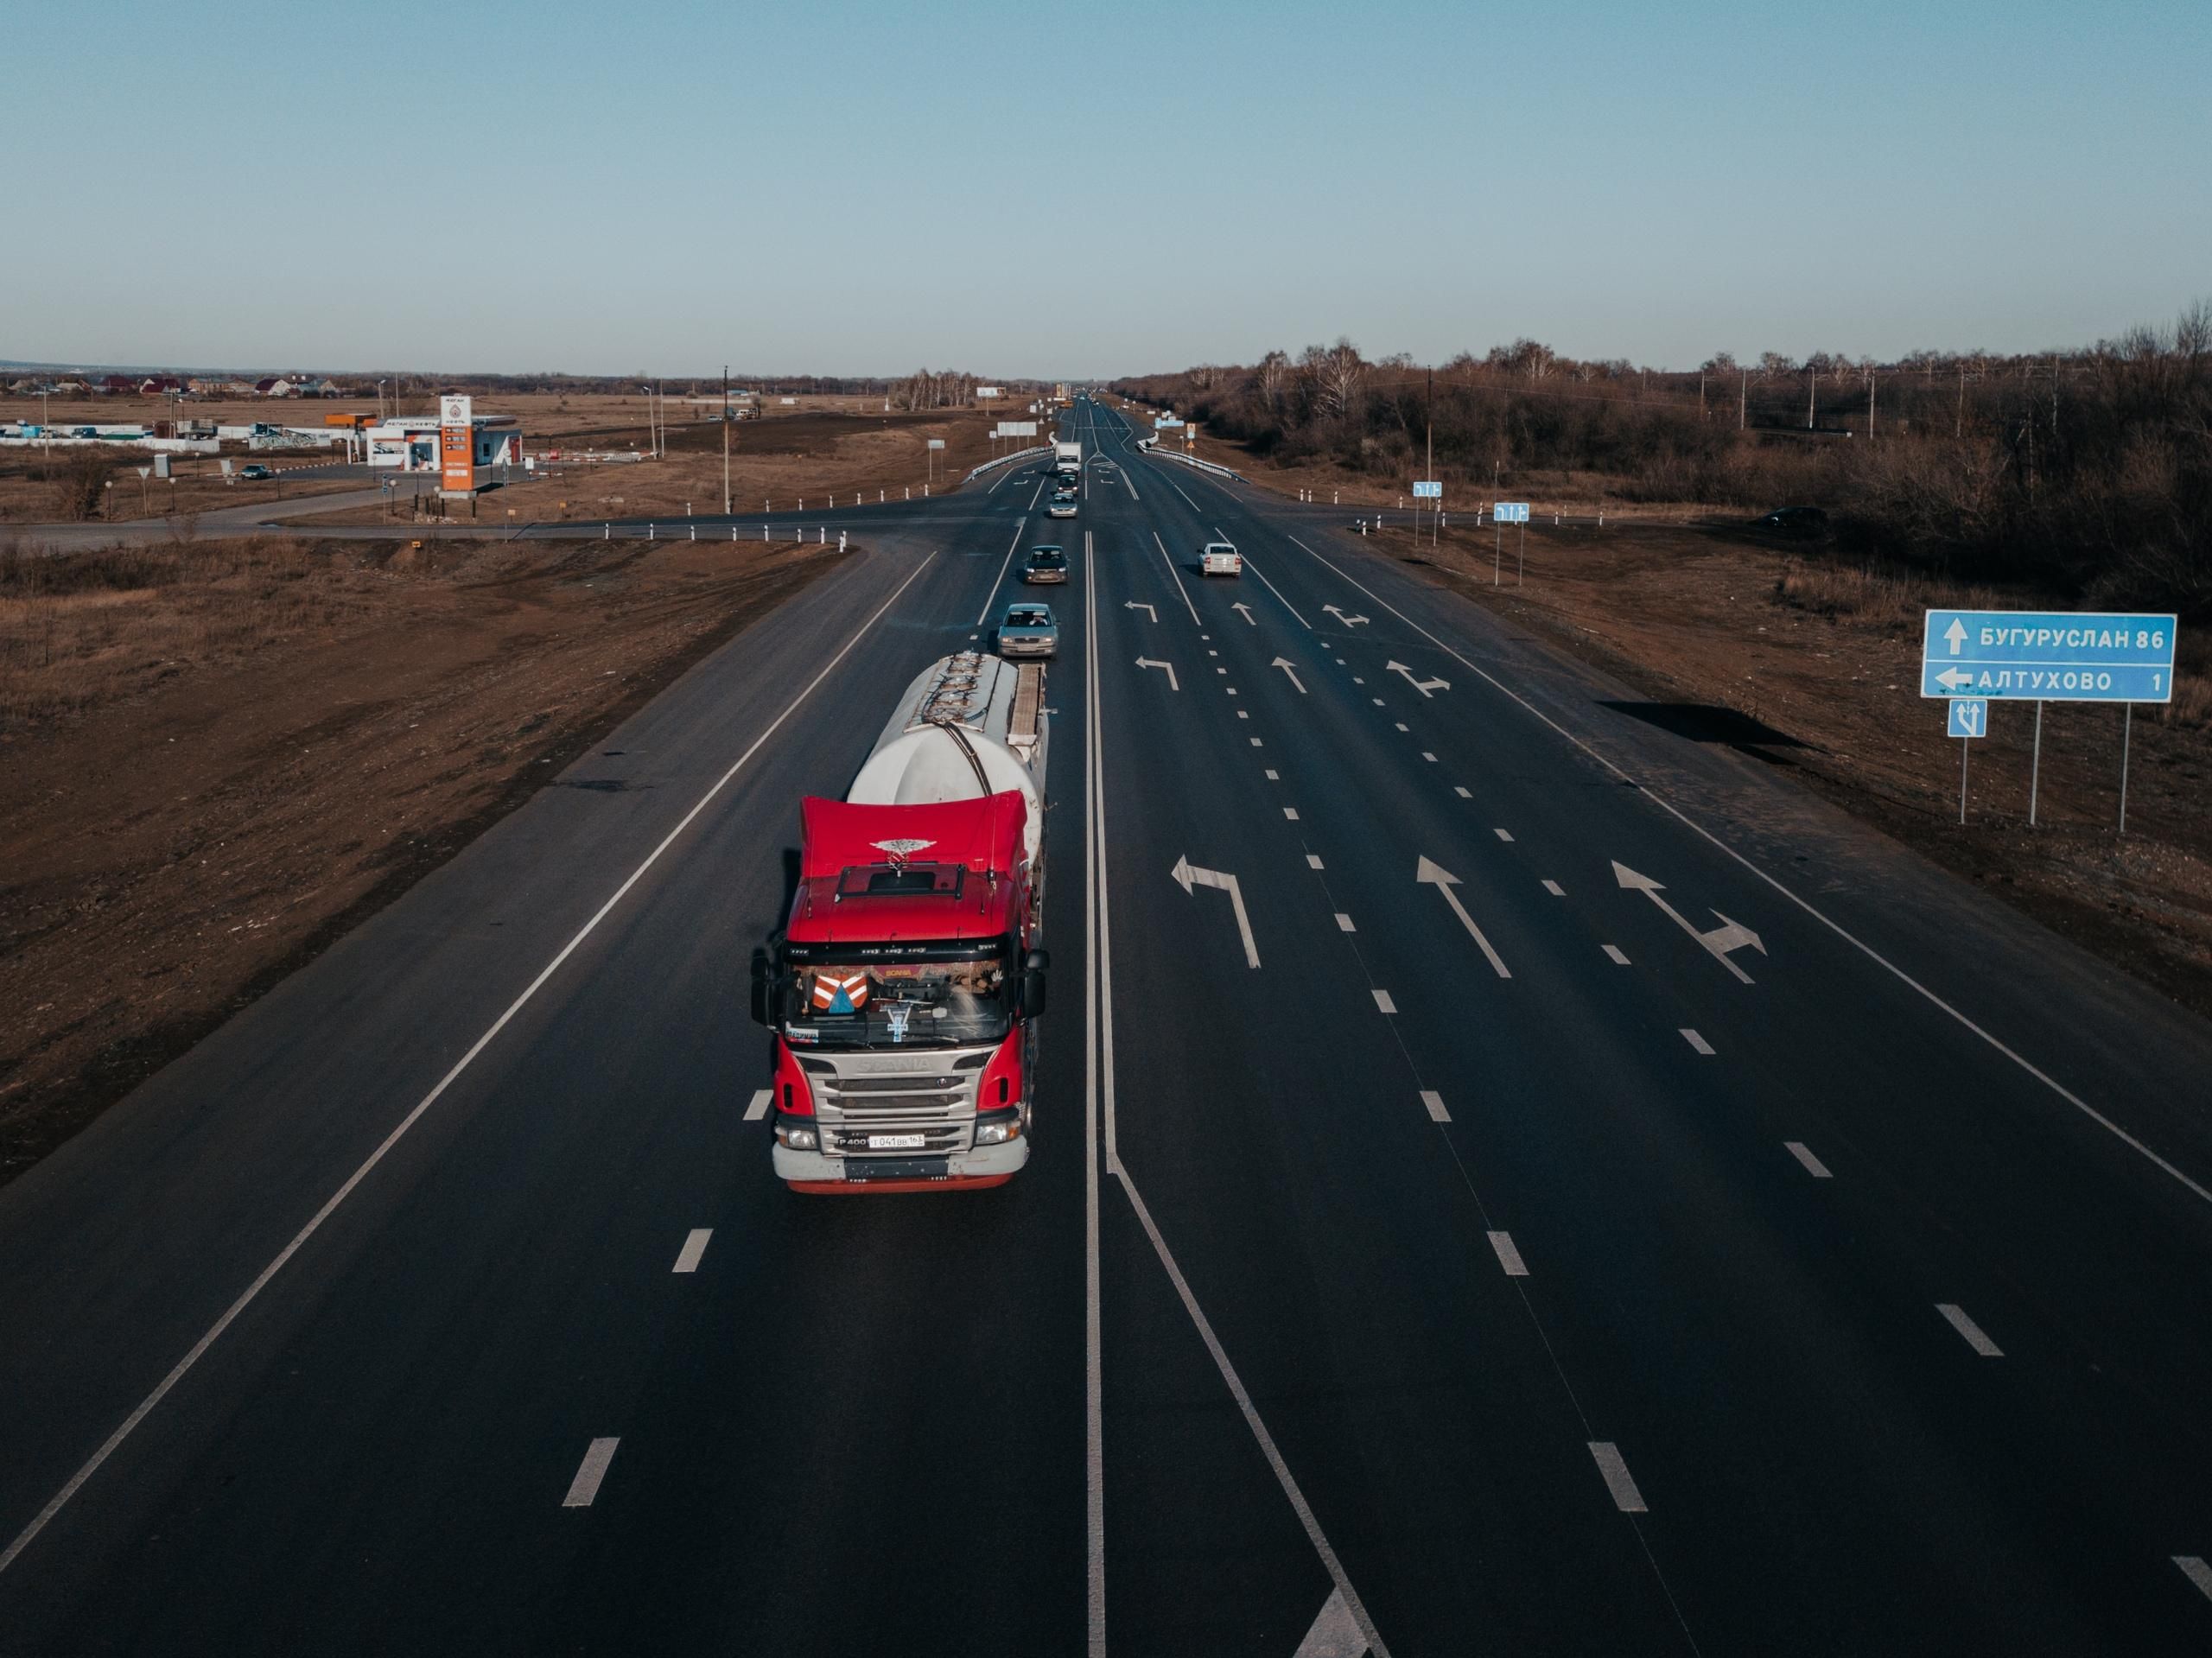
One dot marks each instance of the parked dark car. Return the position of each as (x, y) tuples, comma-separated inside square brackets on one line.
[(1803, 522), (256, 470)]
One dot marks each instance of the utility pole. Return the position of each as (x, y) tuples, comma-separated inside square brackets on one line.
[(725, 440), (1869, 405), (1812, 385), (1959, 430), (1743, 396), (1428, 426)]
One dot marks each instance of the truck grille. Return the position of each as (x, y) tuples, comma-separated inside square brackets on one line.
[(939, 1105)]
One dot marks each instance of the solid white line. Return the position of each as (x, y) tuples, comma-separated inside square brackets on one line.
[(983, 615), (1614, 951), (1554, 889), (1094, 1358), (1803, 1154), (1131, 487), (1177, 580), (1835, 927), (585, 1486), (1505, 835), (1290, 813), (1508, 1256), (1460, 789), (1343, 923), (1955, 1316), (1696, 1041), (695, 1245), (1039, 491), (1283, 1477), (1626, 1498), (2196, 1571), (1383, 1001), (1271, 587), (1179, 490), (758, 1109), (1434, 1101), (330, 1205), (1312, 860)]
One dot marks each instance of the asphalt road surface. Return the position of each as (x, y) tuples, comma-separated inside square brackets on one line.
[(1509, 1178)]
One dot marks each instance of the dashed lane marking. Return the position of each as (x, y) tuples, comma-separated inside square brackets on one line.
[(1383, 1001), (1617, 956), (695, 1245), (1508, 1254), (1803, 1154), (1956, 1317), (1609, 1463), (589, 1473), (1696, 1041)]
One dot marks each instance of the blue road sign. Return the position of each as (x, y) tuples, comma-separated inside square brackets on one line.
[(1509, 513), (1428, 491), (1969, 716), (2048, 656)]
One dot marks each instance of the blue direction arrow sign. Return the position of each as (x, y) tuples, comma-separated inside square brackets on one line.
[(2048, 656), (1427, 491), (1969, 716), (1509, 511)]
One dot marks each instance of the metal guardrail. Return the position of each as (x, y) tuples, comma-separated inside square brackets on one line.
[(1150, 447), (1018, 455)]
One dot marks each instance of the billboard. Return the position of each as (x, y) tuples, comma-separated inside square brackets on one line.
[(457, 445), (989, 391)]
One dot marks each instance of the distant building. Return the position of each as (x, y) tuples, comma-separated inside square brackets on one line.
[(412, 444)]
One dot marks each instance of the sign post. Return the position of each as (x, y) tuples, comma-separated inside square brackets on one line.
[(1431, 489), (2123, 657), (936, 443), (1513, 512), (1969, 720)]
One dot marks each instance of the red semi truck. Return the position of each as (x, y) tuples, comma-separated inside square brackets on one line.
[(904, 988)]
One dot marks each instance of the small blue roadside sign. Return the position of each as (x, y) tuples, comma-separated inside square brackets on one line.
[(1509, 511), (1431, 491), (2048, 656), (1969, 716)]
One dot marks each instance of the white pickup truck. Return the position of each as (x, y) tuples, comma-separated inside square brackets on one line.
[(1220, 558)]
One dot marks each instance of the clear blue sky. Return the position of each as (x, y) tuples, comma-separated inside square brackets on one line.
[(1088, 191)]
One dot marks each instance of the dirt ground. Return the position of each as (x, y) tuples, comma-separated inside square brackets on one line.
[(33, 491), (220, 757), (1811, 665)]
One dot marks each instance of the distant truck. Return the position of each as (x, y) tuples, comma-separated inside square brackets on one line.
[(1067, 459), (905, 986)]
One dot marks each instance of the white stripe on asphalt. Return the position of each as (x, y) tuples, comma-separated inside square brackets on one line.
[(1335, 1632), (1402, 725), (1270, 585), (1256, 743), (1290, 813), (1554, 889), (1343, 923), (585, 1486), (1508, 1256), (1619, 958), (1460, 789), (1803, 1154), (758, 1109), (1241, 714), (2196, 1571), (695, 1245), (1312, 860), (1810, 909), (1271, 778), (1696, 1041), (1955, 1316), (1626, 1498), (1430, 758), (1177, 580), (983, 615), (1383, 1001), (1434, 1101), (1505, 835), (178, 1371)]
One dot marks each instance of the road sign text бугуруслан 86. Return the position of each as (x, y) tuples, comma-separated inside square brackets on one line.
[(1969, 716), (2048, 656), (1509, 511), (1427, 491)]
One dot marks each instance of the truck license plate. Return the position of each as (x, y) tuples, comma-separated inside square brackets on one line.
[(896, 1142)]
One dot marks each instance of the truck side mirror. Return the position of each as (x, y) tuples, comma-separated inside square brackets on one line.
[(1033, 988), (763, 983)]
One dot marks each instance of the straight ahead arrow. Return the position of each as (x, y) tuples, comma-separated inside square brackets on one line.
[(1146, 662), (1424, 686), (1189, 875), (1729, 935), (1245, 611), (1955, 635), (1290, 668), (1150, 613), (1444, 880)]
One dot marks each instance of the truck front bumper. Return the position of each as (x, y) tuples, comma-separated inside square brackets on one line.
[(984, 1165)]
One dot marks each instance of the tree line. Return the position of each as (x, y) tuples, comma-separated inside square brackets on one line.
[(2086, 472)]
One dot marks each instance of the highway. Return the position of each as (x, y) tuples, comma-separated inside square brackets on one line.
[(1508, 1178)]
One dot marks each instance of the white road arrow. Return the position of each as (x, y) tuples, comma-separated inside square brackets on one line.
[(1950, 679), (1444, 880), (1245, 611), (1291, 669), (1729, 935), (1188, 875), (1150, 613), (1349, 621), (1146, 662), (1955, 635), (1424, 686)]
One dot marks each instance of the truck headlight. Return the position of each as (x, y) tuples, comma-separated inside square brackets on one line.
[(998, 1128), (799, 1136)]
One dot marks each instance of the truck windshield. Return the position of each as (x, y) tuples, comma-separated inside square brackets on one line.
[(855, 998)]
